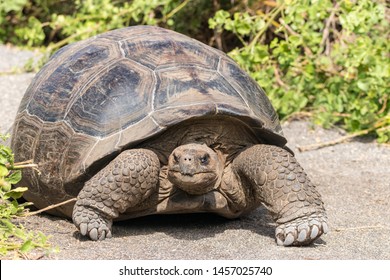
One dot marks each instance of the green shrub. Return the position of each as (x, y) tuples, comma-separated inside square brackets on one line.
[(39, 22), (15, 240), (330, 58)]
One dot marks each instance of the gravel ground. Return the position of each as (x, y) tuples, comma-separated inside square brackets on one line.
[(353, 178)]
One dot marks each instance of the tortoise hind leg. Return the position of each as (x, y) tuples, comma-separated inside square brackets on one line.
[(125, 182), (280, 183)]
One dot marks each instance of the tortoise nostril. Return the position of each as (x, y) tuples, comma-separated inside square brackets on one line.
[(188, 159)]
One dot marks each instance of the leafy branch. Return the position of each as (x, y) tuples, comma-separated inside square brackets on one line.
[(14, 238), (329, 58)]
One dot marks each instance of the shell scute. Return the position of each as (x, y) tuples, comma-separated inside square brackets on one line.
[(61, 80), (157, 52), (116, 98), (251, 93)]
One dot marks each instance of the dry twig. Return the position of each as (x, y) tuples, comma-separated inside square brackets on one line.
[(51, 207), (326, 32), (307, 50), (381, 124), (279, 79)]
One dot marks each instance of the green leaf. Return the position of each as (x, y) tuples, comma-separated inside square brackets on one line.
[(12, 5), (220, 18), (4, 137), (362, 85), (6, 224), (15, 193), (27, 246), (4, 186), (6, 155), (3, 171), (15, 177)]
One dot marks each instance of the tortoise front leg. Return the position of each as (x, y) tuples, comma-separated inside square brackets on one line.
[(280, 183), (125, 182)]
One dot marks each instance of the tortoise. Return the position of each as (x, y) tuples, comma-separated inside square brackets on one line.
[(143, 120)]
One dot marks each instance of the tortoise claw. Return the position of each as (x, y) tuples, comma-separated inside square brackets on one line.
[(91, 224), (301, 231)]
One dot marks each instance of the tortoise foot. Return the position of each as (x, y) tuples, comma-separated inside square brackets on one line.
[(91, 223), (301, 231)]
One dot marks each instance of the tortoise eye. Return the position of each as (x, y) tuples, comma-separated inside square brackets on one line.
[(204, 159), (175, 158)]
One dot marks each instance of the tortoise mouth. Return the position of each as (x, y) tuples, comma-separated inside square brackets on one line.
[(197, 183), (190, 174)]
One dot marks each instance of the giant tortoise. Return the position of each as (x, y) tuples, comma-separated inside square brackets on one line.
[(143, 120)]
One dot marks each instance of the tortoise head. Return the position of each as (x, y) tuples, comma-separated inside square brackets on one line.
[(195, 168)]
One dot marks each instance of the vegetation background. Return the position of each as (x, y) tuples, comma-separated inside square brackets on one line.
[(324, 59)]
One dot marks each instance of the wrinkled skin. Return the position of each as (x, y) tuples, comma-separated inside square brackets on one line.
[(194, 168), (196, 177)]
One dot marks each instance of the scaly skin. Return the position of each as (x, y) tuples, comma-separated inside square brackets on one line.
[(271, 175), (279, 182), (125, 182)]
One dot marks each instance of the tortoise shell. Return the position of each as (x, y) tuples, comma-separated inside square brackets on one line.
[(99, 96)]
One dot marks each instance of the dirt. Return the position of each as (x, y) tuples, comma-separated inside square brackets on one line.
[(353, 178)]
